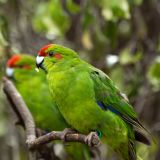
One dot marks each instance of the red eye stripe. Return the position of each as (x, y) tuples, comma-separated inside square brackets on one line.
[(58, 56), (42, 50), (27, 67)]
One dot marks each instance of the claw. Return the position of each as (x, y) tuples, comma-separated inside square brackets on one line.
[(92, 139), (67, 131)]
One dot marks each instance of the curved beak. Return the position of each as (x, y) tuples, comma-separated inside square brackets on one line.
[(9, 71), (39, 61)]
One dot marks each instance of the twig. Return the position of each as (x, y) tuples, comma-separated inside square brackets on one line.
[(22, 112), (20, 108), (25, 116)]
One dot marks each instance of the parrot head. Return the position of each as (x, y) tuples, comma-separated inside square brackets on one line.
[(52, 54), (19, 61)]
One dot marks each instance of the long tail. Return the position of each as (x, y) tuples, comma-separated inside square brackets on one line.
[(132, 150), (142, 136)]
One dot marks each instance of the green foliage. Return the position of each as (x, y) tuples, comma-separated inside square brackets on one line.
[(130, 85), (126, 57), (145, 152), (115, 9), (51, 18), (116, 76), (3, 1), (154, 73), (111, 32), (135, 2), (88, 17), (72, 7), (3, 31)]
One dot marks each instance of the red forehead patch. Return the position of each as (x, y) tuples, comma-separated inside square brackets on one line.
[(43, 49), (12, 61)]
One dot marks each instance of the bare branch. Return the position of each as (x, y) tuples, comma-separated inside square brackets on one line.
[(22, 112), (20, 108)]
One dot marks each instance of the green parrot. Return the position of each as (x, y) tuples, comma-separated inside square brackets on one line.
[(90, 102), (34, 90), (22, 69)]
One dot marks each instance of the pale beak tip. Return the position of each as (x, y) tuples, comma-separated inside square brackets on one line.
[(9, 72), (37, 69)]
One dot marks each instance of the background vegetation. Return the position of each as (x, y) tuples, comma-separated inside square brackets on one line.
[(121, 37)]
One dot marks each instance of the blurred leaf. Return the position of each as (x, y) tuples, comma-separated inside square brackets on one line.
[(3, 1), (135, 2), (154, 73), (58, 15), (112, 10), (88, 18), (138, 2), (86, 41), (73, 7), (116, 75), (3, 31), (51, 18), (99, 34), (147, 152), (127, 58), (3, 42), (124, 27), (42, 20), (111, 33)]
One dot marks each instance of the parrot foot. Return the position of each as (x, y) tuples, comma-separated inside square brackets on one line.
[(67, 131), (92, 139)]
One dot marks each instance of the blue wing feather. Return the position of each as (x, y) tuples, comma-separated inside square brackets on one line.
[(104, 107)]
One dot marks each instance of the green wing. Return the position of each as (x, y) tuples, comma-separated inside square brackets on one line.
[(110, 98)]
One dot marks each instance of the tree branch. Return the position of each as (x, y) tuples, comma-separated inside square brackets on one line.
[(26, 119), (20, 108), (57, 135), (22, 112)]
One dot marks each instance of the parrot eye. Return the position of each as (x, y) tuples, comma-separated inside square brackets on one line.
[(50, 53)]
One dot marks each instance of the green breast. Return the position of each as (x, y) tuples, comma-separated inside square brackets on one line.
[(73, 92)]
